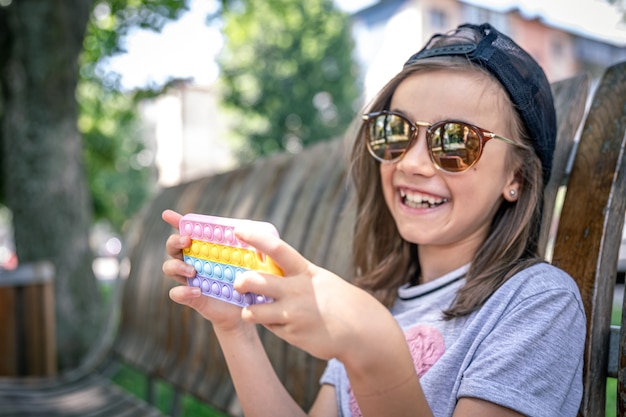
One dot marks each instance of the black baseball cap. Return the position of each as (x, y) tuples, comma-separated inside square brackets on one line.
[(520, 75)]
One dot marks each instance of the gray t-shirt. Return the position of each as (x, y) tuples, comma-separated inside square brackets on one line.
[(523, 349)]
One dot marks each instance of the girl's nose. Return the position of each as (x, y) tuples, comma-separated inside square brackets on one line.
[(416, 159)]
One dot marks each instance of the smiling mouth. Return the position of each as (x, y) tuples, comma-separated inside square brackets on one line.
[(419, 200)]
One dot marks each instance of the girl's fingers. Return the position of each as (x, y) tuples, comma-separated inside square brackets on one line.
[(175, 244), (289, 259), (171, 217), (179, 270), (259, 283), (185, 295)]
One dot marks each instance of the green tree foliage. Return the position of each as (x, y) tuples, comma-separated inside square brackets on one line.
[(288, 72), (118, 163)]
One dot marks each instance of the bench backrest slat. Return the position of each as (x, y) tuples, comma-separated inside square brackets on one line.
[(591, 223)]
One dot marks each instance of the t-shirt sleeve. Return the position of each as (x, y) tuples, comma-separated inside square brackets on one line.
[(524, 359), (332, 373)]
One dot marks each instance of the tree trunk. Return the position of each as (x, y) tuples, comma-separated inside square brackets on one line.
[(42, 158)]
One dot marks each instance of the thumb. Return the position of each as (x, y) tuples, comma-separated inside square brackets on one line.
[(185, 295)]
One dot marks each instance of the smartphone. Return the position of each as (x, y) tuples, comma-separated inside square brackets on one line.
[(219, 257)]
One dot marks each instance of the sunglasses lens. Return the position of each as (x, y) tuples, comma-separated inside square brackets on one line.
[(388, 136), (454, 146)]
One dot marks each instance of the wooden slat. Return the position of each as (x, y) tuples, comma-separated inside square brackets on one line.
[(8, 332), (570, 97), (39, 329), (591, 223), (27, 320)]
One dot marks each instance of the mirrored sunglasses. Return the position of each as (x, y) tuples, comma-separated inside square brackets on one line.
[(454, 146)]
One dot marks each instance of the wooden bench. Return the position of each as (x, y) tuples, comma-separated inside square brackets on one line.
[(307, 196)]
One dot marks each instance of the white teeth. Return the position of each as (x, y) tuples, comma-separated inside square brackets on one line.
[(419, 200)]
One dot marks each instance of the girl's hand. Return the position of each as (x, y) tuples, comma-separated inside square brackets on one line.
[(314, 309), (224, 316)]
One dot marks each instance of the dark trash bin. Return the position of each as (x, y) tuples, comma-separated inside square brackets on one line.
[(27, 321)]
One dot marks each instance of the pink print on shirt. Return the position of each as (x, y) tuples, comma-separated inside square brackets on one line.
[(426, 345)]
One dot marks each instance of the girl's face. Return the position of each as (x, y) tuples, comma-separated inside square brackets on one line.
[(431, 207)]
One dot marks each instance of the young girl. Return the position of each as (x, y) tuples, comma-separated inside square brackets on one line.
[(454, 314)]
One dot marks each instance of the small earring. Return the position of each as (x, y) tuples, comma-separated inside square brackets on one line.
[(512, 192)]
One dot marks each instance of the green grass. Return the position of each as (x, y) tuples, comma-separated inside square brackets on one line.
[(136, 383), (611, 383)]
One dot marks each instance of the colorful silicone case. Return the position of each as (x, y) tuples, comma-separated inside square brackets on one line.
[(219, 257)]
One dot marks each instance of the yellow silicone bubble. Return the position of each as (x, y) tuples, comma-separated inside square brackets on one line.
[(215, 252), (195, 247), (226, 254), (205, 250)]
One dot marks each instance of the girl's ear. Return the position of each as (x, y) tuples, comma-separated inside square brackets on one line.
[(512, 188)]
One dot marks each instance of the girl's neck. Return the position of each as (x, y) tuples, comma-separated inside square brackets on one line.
[(436, 261)]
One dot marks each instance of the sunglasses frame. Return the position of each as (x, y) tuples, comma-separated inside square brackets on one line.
[(483, 134)]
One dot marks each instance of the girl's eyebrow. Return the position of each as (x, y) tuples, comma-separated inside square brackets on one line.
[(405, 114), (437, 119)]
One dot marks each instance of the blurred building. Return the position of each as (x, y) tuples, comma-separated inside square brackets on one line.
[(188, 132), (564, 36)]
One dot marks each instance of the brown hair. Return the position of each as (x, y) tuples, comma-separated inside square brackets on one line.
[(384, 261)]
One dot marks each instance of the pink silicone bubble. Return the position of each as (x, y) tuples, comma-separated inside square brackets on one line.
[(187, 228), (197, 230), (218, 234), (208, 232), (229, 236)]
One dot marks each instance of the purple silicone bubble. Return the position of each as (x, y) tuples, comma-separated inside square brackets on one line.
[(248, 298), (226, 293), (215, 288)]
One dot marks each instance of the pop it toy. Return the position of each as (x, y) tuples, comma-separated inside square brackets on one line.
[(219, 257)]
